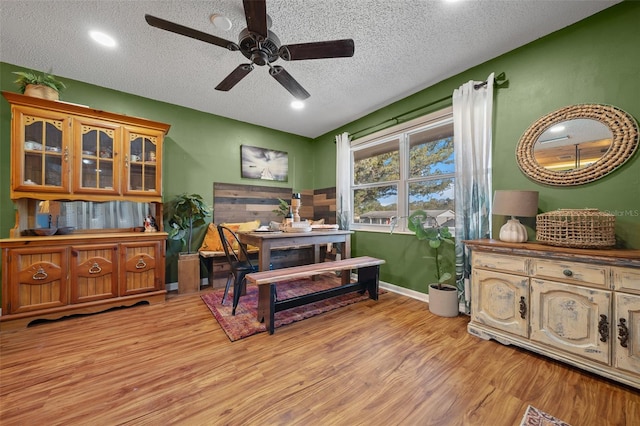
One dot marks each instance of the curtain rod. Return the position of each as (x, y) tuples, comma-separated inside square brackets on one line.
[(499, 77)]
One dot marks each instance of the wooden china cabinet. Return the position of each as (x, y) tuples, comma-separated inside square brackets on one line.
[(68, 156)]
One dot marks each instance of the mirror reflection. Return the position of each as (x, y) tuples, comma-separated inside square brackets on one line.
[(572, 144), (577, 144)]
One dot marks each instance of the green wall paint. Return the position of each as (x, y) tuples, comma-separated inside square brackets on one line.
[(199, 149), (596, 60)]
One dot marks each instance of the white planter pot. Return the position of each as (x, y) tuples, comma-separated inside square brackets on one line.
[(443, 302)]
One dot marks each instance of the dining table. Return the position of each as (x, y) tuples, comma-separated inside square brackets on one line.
[(269, 240)]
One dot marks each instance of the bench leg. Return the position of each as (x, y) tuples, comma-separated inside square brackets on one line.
[(267, 305), (370, 279)]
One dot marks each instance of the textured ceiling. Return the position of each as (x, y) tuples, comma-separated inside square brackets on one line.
[(401, 47)]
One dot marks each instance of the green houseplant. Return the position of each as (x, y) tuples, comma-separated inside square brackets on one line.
[(40, 85), (443, 298), (283, 208), (183, 213)]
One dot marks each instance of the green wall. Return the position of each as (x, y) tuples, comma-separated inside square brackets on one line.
[(200, 148), (596, 60)]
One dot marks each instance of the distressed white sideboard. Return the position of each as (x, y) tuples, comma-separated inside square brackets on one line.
[(579, 306)]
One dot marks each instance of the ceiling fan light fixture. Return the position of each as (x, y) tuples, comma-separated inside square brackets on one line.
[(221, 22)]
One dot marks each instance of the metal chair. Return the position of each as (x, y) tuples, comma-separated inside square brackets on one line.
[(240, 265)]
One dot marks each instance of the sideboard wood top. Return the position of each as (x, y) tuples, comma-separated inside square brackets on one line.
[(545, 250)]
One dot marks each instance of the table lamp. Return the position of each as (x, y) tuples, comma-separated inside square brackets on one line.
[(515, 203)]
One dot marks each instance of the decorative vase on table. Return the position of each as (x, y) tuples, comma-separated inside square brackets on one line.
[(443, 301)]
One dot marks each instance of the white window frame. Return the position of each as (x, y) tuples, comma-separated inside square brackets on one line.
[(402, 132)]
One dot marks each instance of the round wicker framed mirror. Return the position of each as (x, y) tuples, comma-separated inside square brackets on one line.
[(577, 144)]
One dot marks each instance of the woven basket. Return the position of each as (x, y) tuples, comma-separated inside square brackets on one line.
[(586, 228)]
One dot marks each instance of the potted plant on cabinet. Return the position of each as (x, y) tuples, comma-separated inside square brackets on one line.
[(183, 213), (443, 298), (42, 85)]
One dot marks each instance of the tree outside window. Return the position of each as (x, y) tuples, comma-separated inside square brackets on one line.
[(403, 172)]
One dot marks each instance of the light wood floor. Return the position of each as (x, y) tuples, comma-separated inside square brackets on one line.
[(373, 363)]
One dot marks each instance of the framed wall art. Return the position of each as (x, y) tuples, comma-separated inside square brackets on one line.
[(265, 164)]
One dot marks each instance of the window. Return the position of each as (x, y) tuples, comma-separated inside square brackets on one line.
[(407, 168)]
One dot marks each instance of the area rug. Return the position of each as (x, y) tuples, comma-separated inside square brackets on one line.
[(245, 323), (536, 417)]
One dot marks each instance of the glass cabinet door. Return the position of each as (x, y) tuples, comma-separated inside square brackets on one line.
[(96, 150), (42, 154), (142, 163)]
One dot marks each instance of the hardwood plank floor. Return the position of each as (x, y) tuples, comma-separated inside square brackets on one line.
[(376, 363)]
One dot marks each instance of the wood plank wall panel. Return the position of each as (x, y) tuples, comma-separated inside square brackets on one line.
[(243, 203), (324, 205)]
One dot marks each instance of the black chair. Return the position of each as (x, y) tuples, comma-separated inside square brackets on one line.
[(240, 265)]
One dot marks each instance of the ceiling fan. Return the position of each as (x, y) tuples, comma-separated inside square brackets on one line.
[(262, 47)]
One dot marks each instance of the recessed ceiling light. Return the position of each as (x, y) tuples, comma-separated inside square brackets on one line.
[(102, 38), (221, 22), (297, 104)]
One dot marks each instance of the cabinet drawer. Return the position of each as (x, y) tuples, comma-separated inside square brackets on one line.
[(500, 262), (626, 279), (574, 272)]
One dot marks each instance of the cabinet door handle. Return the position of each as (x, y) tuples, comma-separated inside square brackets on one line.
[(66, 154), (126, 161), (567, 272), (40, 274), (623, 332), (140, 264), (603, 328), (95, 268), (523, 308)]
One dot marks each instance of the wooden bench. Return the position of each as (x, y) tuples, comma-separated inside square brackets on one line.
[(218, 268), (368, 280)]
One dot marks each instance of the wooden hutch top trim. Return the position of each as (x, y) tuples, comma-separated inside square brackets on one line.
[(75, 109)]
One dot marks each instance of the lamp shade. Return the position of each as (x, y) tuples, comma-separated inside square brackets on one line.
[(515, 203)]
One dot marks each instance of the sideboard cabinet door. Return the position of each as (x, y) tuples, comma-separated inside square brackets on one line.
[(626, 343), (94, 272), (571, 318), (38, 279), (500, 301), (141, 267)]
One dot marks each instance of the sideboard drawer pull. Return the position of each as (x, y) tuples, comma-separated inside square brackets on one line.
[(567, 273), (523, 308), (623, 332), (95, 268), (40, 274), (603, 328), (141, 264)]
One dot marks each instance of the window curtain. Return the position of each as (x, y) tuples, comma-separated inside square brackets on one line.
[(472, 118), (343, 180)]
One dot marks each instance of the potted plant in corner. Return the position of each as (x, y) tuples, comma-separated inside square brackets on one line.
[(42, 85), (443, 298), (185, 212)]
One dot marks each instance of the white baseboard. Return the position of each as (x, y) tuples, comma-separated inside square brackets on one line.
[(404, 291)]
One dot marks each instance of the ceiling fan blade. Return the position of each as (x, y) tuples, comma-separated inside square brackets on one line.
[(318, 50), (288, 82), (189, 32), (255, 12), (236, 75)]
